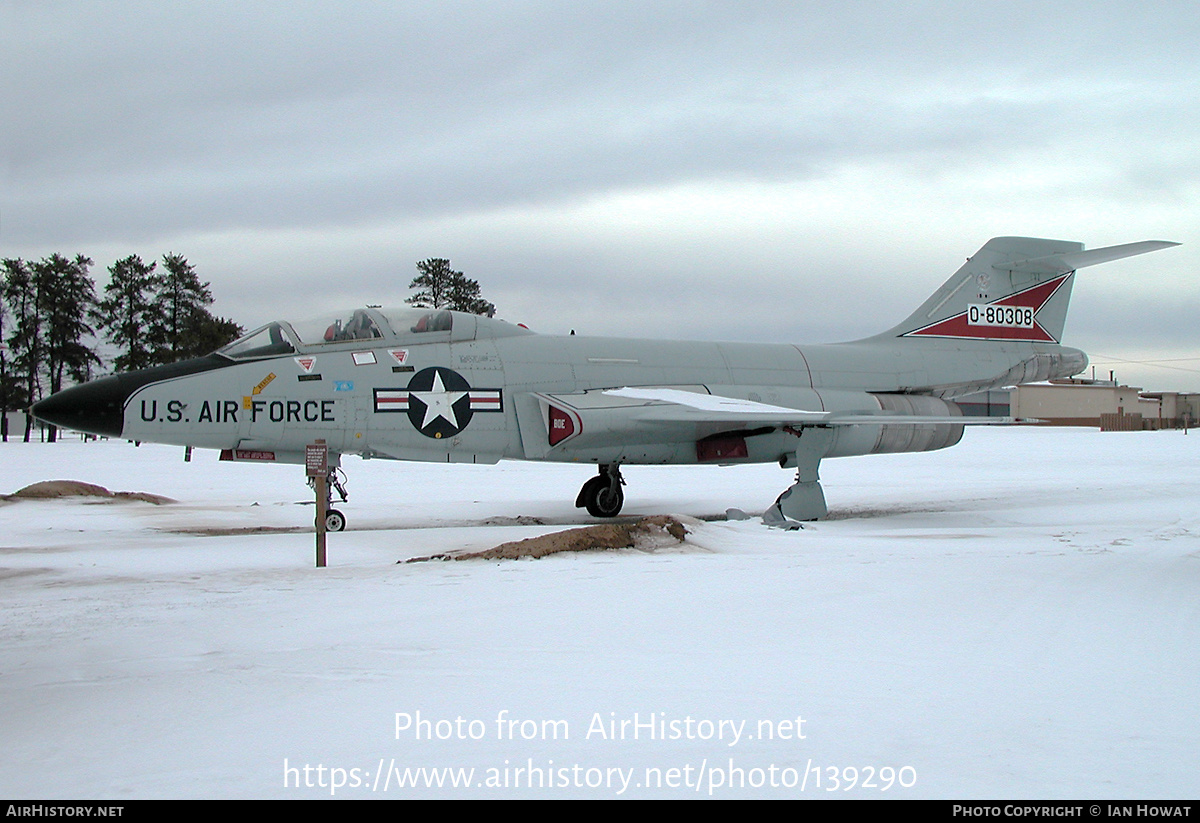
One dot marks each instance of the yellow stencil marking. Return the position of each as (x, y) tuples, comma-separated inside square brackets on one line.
[(248, 402)]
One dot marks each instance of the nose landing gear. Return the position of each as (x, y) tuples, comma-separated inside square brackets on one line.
[(335, 521)]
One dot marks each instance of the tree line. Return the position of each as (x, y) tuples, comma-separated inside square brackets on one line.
[(51, 316)]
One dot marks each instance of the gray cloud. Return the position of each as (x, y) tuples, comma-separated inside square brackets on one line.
[(600, 161)]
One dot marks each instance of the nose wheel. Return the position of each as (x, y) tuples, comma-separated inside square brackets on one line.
[(602, 495), (335, 521)]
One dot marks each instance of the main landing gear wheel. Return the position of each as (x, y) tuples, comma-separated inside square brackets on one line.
[(602, 495), (335, 521)]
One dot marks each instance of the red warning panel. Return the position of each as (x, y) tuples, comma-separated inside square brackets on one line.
[(729, 447), (246, 454), (562, 425)]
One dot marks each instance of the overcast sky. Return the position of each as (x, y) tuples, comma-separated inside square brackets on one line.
[(784, 171)]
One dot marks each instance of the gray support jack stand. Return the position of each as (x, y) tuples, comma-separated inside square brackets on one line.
[(805, 500)]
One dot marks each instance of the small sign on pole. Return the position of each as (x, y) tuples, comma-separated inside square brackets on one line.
[(316, 466)]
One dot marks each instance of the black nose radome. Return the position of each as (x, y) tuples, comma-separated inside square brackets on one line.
[(98, 407)]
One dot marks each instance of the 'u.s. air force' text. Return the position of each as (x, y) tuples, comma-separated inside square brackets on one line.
[(226, 411)]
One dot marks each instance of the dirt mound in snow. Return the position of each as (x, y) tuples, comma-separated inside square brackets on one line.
[(54, 489), (645, 534)]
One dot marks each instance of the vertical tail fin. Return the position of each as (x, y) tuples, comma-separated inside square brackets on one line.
[(1013, 289)]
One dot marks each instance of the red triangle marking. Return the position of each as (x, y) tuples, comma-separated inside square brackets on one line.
[(1034, 298)]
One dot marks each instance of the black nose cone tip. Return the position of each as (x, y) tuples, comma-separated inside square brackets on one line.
[(96, 408)]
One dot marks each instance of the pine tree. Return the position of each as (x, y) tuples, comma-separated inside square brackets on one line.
[(187, 328), (12, 392), (25, 338), (211, 333), (443, 288), (129, 312), (433, 282), (66, 297), (465, 296)]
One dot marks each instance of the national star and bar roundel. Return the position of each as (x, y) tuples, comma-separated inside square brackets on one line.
[(994, 321), (439, 402)]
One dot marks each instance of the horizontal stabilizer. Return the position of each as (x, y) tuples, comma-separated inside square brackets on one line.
[(1070, 261)]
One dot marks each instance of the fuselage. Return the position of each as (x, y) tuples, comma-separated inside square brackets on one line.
[(450, 387)]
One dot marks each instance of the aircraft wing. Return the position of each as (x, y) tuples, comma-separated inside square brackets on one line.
[(662, 419), (669, 404)]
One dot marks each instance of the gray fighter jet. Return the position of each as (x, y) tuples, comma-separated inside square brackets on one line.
[(417, 384)]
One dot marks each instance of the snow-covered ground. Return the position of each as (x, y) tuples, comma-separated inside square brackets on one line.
[(1018, 616)]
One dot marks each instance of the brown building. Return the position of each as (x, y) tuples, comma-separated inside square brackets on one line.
[(1105, 405)]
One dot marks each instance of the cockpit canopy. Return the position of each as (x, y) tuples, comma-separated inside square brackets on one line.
[(398, 325)]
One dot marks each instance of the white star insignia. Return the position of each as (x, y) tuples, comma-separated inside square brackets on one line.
[(439, 402)]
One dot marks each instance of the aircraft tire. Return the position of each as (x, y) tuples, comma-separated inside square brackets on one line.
[(601, 499), (335, 521)]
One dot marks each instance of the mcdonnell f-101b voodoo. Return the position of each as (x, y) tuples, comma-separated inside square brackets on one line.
[(432, 385)]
